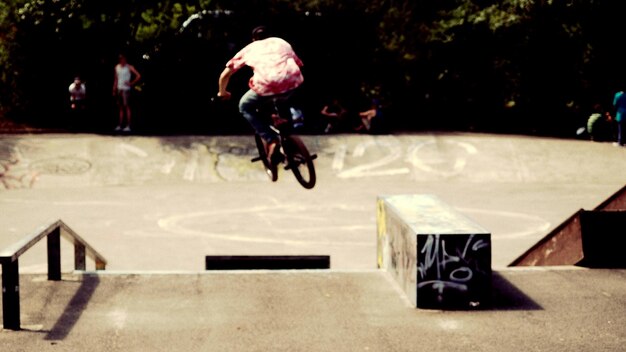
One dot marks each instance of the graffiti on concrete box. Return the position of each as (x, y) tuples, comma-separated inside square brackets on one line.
[(452, 265)]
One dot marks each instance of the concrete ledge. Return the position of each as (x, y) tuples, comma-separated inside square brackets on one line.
[(439, 257)]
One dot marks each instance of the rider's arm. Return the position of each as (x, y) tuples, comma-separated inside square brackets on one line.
[(223, 82)]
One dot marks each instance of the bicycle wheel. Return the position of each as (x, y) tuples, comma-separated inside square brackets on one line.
[(271, 171), (300, 161)]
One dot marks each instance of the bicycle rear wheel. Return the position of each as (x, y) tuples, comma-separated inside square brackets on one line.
[(270, 170), (300, 161)]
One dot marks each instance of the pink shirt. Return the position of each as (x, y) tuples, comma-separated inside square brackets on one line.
[(276, 66)]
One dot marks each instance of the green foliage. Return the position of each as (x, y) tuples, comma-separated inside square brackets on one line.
[(470, 58), (8, 71), (164, 18)]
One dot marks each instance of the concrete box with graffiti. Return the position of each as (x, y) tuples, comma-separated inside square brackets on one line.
[(438, 256)]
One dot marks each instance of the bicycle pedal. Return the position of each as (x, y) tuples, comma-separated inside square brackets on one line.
[(314, 156), (258, 158)]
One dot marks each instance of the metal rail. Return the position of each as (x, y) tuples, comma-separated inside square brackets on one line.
[(10, 264)]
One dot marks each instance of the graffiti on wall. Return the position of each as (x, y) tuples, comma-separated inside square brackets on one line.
[(390, 157), (12, 177)]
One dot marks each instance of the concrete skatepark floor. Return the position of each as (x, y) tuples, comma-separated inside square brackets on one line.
[(156, 206), (163, 203)]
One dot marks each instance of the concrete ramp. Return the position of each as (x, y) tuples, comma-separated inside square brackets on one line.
[(590, 238)]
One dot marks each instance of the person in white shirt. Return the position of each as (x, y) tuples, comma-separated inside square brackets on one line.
[(126, 76), (78, 94)]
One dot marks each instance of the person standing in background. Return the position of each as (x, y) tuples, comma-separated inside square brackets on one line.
[(619, 102), (126, 76)]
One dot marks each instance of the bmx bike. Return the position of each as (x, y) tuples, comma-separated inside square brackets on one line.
[(292, 154)]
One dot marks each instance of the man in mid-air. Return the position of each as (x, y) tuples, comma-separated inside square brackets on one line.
[(276, 71)]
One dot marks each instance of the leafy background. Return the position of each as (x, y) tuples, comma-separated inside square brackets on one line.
[(514, 66)]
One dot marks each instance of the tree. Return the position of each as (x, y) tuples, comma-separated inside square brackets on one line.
[(472, 64)]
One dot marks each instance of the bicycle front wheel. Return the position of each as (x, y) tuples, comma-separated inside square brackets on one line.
[(300, 161)]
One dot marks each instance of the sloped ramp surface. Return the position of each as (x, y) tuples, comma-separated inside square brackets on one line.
[(593, 238)]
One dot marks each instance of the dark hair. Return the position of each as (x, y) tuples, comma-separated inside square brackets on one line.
[(260, 33)]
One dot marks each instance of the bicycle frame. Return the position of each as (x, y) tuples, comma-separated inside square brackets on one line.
[(296, 156)]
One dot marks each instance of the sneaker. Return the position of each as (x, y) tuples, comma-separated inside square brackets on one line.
[(118, 128), (126, 129)]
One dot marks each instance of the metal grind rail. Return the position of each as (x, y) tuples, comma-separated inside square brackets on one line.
[(10, 264)]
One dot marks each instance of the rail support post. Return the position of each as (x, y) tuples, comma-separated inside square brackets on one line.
[(11, 295), (79, 257), (54, 255)]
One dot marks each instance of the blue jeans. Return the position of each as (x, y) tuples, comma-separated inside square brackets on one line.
[(249, 105)]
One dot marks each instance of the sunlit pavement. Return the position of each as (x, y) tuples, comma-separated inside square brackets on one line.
[(155, 207), (163, 203)]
